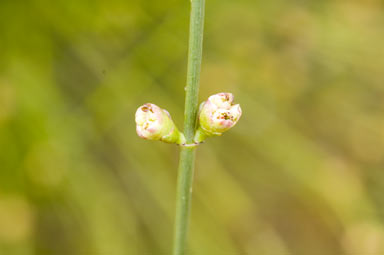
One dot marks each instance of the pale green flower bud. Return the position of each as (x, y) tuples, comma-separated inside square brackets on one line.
[(217, 115), (154, 123)]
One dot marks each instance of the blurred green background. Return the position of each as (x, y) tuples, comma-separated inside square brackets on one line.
[(301, 173)]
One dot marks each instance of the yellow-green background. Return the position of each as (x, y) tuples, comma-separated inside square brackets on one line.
[(301, 173)]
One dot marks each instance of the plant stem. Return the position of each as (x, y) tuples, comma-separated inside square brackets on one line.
[(183, 203), (187, 154), (194, 67)]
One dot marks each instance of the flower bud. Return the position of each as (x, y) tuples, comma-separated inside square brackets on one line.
[(154, 123), (217, 115)]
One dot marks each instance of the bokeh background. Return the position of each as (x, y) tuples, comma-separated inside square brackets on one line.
[(301, 173)]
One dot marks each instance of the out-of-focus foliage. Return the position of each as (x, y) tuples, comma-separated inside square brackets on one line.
[(302, 172)]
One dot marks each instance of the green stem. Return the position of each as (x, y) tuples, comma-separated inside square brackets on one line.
[(187, 154), (183, 204)]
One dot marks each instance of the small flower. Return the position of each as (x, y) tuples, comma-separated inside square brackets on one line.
[(217, 115), (154, 123)]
